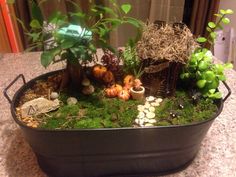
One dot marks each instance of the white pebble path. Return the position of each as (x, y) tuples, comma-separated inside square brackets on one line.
[(146, 116)]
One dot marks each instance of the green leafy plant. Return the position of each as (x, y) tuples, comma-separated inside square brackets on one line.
[(200, 69), (131, 61), (212, 27), (100, 21), (76, 47)]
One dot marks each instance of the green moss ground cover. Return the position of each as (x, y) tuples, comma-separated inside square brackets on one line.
[(96, 111), (181, 110)]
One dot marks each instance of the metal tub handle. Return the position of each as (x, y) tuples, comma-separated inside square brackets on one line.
[(9, 86), (229, 91)]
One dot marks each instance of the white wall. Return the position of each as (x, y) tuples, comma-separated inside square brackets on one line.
[(230, 4), (230, 43)]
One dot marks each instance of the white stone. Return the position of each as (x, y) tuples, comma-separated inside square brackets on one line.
[(140, 108), (155, 104), (141, 115), (136, 121), (146, 120), (159, 100), (150, 98), (141, 122), (146, 111), (152, 121), (39, 106), (147, 105), (152, 109), (150, 115), (71, 101), (148, 125), (54, 95)]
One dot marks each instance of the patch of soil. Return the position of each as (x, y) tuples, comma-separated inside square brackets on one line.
[(42, 88)]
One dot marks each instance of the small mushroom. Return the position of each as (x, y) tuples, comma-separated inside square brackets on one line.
[(88, 90), (86, 82)]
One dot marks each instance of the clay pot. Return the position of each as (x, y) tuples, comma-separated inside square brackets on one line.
[(139, 94)]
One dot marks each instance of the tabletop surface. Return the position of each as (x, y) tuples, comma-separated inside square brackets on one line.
[(217, 155)]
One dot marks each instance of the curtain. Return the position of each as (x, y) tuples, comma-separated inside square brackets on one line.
[(22, 11), (145, 10), (203, 11), (148, 10)]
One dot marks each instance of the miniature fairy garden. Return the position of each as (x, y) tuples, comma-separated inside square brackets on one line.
[(163, 77)]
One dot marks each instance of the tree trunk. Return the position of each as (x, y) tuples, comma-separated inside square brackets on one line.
[(72, 76)]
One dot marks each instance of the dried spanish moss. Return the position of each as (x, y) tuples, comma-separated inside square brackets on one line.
[(166, 42)]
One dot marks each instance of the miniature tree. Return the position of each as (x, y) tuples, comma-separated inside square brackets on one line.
[(78, 47)]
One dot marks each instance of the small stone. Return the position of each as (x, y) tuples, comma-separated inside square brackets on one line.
[(150, 115), (152, 121), (152, 109), (145, 119), (146, 111), (159, 100), (148, 125), (136, 121), (54, 95), (155, 104), (141, 115), (140, 108), (71, 101), (150, 98), (141, 122), (147, 105)]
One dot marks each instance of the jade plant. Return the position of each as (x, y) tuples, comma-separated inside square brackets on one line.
[(200, 69), (78, 47)]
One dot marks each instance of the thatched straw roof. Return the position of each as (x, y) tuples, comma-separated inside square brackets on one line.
[(166, 42)]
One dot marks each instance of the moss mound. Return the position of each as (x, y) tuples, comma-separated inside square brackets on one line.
[(96, 111), (181, 110), (93, 111)]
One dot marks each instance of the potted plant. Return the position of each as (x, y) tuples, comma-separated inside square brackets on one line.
[(95, 135)]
